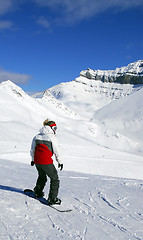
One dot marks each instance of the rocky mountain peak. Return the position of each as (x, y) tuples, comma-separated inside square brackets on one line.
[(130, 74)]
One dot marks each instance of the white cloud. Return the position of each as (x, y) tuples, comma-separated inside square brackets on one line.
[(5, 24), (69, 11), (14, 77), (43, 22), (6, 6), (76, 10)]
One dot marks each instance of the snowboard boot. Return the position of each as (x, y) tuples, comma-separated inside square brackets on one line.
[(53, 201), (37, 192)]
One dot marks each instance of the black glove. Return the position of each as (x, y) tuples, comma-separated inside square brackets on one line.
[(60, 166), (32, 163)]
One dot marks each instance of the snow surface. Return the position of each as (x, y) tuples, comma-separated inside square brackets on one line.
[(99, 131), (103, 207)]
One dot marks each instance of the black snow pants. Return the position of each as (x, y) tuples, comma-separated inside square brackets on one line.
[(49, 170)]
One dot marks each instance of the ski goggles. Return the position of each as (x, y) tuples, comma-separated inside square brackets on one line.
[(54, 128)]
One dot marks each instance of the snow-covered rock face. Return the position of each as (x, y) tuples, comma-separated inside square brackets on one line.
[(85, 96), (132, 73)]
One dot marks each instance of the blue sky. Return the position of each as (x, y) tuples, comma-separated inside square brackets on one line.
[(46, 42)]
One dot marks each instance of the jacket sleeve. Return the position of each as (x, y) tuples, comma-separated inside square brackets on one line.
[(32, 151), (56, 149)]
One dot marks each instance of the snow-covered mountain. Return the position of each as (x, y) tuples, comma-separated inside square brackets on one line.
[(96, 102), (104, 117), (100, 129), (132, 73), (86, 95), (102, 113)]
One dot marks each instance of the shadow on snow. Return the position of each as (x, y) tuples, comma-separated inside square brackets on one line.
[(11, 189)]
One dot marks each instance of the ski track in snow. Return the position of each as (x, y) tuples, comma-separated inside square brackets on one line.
[(103, 207)]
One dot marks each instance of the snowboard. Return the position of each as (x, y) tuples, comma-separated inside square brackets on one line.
[(42, 200)]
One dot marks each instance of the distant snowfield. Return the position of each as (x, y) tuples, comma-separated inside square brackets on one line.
[(102, 148)]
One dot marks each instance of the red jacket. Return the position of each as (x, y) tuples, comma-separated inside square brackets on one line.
[(43, 155), (44, 145)]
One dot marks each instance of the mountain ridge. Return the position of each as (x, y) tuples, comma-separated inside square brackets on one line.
[(130, 74)]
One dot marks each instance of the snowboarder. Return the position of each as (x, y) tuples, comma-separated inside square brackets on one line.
[(44, 145)]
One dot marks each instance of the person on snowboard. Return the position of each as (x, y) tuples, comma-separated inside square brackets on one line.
[(44, 145)]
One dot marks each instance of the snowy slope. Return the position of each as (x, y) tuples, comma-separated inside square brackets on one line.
[(89, 95), (125, 118), (120, 103), (49, 101), (103, 207), (86, 146), (19, 117), (97, 181)]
